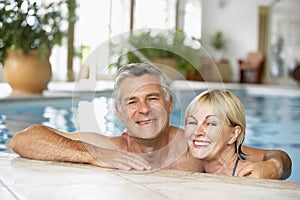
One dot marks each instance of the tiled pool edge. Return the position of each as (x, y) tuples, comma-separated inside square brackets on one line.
[(29, 179), (66, 89)]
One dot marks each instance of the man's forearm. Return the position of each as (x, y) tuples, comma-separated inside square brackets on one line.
[(38, 142), (44, 143), (282, 162)]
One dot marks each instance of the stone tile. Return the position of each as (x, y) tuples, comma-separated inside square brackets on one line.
[(30, 172), (155, 176), (30, 179), (182, 185), (212, 190), (5, 194), (87, 191)]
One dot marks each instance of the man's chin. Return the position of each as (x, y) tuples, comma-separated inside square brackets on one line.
[(150, 136), (147, 135)]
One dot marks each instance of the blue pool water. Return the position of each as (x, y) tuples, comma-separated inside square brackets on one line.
[(272, 120)]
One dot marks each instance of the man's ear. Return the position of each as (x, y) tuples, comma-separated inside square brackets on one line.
[(119, 112), (171, 104), (234, 134)]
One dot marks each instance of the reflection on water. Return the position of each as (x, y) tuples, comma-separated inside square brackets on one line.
[(3, 132), (98, 116), (19, 114)]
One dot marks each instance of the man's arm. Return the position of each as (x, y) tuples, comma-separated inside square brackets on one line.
[(276, 163), (45, 143)]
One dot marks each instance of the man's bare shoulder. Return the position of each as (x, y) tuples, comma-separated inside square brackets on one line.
[(120, 142), (187, 163), (174, 130)]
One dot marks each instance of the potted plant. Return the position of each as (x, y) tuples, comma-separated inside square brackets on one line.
[(171, 50), (219, 42), (29, 30)]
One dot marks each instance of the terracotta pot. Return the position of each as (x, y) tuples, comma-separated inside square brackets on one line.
[(27, 73)]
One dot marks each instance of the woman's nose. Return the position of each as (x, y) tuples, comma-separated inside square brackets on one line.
[(200, 130)]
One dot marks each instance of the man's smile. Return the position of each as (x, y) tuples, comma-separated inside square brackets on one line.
[(144, 122)]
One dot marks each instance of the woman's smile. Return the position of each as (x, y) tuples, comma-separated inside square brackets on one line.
[(200, 143)]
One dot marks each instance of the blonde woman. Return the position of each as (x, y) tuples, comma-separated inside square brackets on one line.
[(215, 131)]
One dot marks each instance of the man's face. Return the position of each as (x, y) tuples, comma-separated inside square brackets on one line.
[(143, 109)]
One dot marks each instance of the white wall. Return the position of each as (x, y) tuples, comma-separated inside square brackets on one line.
[(285, 24), (238, 19)]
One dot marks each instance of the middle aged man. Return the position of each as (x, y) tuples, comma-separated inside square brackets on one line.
[(143, 102)]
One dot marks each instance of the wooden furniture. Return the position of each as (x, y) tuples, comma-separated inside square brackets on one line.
[(296, 72), (251, 69), (225, 70)]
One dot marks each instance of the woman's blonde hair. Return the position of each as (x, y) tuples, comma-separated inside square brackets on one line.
[(229, 105)]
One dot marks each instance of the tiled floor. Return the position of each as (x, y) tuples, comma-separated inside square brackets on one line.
[(21, 178)]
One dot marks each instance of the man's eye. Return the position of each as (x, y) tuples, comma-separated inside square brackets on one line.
[(152, 98), (131, 102)]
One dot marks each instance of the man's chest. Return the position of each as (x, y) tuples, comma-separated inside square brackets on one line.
[(186, 163)]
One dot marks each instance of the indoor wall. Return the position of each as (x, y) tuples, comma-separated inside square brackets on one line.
[(238, 19)]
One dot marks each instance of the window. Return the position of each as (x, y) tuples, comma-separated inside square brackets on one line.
[(192, 18), (154, 14), (100, 20)]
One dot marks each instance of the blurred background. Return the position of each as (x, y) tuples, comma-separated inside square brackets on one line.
[(227, 29)]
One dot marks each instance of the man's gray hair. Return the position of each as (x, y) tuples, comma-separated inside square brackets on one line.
[(140, 69)]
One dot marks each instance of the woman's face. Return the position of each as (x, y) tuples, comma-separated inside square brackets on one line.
[(207, 132)]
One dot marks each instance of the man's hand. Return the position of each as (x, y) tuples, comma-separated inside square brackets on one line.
[(117, 159), (278, 162), (264, 169)]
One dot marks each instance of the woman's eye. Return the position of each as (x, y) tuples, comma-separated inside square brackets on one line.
[(211, 124), (192, 123)]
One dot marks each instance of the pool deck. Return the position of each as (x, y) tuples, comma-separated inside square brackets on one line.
[(31, 179), (68, 89)]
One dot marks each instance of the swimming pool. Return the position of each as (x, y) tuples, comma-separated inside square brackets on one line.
[(272, 117)]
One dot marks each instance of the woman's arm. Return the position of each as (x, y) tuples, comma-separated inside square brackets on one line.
[(276, 163), (45, 143)]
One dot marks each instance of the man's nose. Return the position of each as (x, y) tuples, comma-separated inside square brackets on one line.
[(143, 108)]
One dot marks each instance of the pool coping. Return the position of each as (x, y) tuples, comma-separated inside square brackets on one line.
[(22, 178), (69, 89)]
